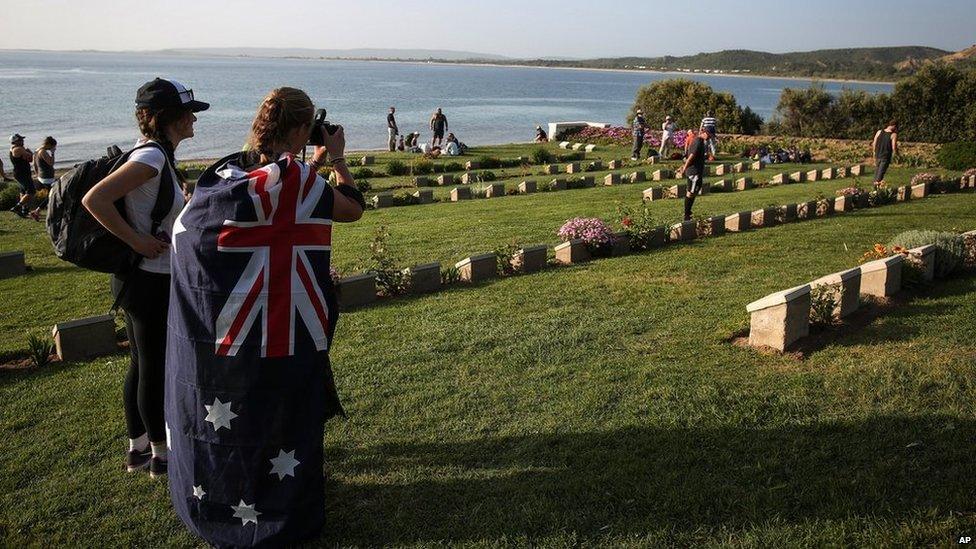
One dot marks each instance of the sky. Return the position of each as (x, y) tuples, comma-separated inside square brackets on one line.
[(514, 28)]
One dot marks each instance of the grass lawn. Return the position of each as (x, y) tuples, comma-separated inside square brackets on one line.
[(594, 404)]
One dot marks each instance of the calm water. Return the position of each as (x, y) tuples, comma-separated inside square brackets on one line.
[(85, 100)]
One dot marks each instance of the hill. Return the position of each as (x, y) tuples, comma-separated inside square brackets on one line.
[(863, 63)]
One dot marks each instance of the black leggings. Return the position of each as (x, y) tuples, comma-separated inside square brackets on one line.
[(146, 305)]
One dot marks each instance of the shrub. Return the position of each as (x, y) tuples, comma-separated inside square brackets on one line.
[(396, 167), (571, 157), (450, 275), (881, 196), (363, 173), (591, 230), (823, 301), (382, 263), (39, 349), (489, 162), (422, 166), (950, 248), (453, 167), (543, 156), (485, 176), (363, 185), (9, 196), (504, 255), (639, 225)]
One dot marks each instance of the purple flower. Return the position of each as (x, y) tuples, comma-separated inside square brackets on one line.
[(591, 230)]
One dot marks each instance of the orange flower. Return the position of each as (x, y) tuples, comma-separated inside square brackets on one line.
[(879, 249)]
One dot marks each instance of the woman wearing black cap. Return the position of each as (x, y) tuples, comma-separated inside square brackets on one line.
[(164, 111)]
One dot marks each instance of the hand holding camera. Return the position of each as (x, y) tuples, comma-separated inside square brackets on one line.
[(327, 138)]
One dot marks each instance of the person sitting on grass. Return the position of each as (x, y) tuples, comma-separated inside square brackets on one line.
[(452, 147), (540, 135), (694, 170)]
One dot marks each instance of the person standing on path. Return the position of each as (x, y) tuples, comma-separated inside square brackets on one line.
[(709, 124), (20, 158), (694, 171), (438, 124), (885, 147), (667, 130), (639, 126), (391, 127), (44, 162)]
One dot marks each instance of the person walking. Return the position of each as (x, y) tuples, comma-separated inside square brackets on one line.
[(165, 115), (438, 124), (638, 127), (44, 162), (540, 135), (20, 159), (709, 124), (885, 146), (392, 129), (667, 131), (694, 171)]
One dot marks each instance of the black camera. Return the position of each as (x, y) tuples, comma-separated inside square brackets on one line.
[(316, 138)]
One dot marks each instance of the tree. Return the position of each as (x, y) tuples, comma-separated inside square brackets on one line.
[(687, 102), (937, 104), (807, 112)]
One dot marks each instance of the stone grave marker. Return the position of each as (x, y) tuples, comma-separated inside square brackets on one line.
[(424, 278), (558, 185), (653, 193), (738, 222), (367, 160), (846, 290), (530, 258), (781, 319), (798, 177), (743, 184), (12, 264), (684, 231), (356, 290), (460, 193), (882, 277), (85, 338), (924, 257), (611, 179), (445, 180), (494, 190), (637, 177), (573, 167), (477, 268), (383, 200), (758, 165), (472, 165), (572, 251), (424, 196), (813, 175), (526, 187)]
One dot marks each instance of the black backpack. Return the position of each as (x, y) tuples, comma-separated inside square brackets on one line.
[(77, 236)]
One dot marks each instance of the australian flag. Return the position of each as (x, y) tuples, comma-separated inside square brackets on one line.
[(249, 385)]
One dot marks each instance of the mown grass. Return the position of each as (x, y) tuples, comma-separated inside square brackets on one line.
[(591, 405)]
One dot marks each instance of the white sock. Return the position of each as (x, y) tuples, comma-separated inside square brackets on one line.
[(159, 450), (140, 444)]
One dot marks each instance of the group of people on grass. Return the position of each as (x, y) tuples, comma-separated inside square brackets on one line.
[(27, 165), (438, 145), (639, 127)]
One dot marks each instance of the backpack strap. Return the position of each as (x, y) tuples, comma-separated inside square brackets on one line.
[(161, 208)]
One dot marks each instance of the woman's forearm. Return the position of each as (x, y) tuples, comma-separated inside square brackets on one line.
[(105, 213)]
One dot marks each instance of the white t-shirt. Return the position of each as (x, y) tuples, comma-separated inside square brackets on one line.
[(139, 204)]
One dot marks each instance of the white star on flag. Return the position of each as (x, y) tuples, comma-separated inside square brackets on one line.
[(245, 512), (169, 436), (219, 414), (198, 492), (284, 465)]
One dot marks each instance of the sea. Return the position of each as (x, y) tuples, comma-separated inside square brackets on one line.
[(86, 99)]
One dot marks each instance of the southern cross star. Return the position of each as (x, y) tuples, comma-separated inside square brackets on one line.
[(245, 512), (219, 414), (284, 465), (198, 492)]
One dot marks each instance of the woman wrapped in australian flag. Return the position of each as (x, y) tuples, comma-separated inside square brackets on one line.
[(252, 315)]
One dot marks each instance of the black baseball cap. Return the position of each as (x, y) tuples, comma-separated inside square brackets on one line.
[(15, 138), (161, 93)]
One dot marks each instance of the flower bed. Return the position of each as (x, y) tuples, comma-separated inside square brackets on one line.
[(591, 230)]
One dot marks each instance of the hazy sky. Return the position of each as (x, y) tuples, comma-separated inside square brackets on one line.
[(517, 28)]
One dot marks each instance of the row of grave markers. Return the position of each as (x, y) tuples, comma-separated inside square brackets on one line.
[(426, 196), (781, 319), (95, 336)]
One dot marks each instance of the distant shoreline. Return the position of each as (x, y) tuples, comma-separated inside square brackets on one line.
[(629, 71), (472, 63)]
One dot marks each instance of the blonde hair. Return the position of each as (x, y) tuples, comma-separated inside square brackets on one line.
[(282, 110)]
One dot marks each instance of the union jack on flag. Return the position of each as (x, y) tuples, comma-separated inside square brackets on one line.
[(277, 283)]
